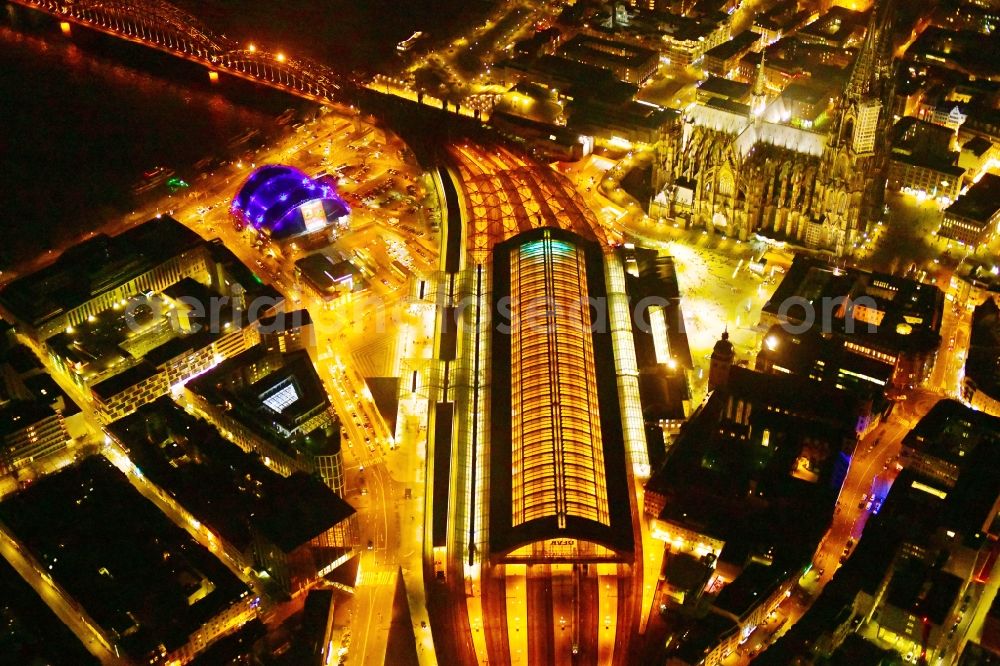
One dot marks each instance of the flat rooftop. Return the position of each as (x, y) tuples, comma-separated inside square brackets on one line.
[(835, 25), (143, 332), (135, 573), (922, 590), (273, 394), (19, 414), (48, 392), (114, 385), (607, 51), (729, 105), (756, 582), (584, 80), (931, 162), (911, 311), (737, 44), (324, 272), (285, 321), (765, 481), (231, 491), (980, 203), (966, 51), (977, 146), (783, 16), (722, 87), (111, 339), (805, 93), (952, 432), (94, 267), (970, 441), (22, 359), (676, 26), (630, 115), (983, 362)]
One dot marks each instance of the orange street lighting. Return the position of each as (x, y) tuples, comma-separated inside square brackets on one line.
[(252, 48), (280, 57)]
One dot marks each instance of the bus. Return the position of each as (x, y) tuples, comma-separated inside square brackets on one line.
[(408, 43)]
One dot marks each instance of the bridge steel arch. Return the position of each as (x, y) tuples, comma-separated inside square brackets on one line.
[(155, 23), (161, 25), (308, 78)]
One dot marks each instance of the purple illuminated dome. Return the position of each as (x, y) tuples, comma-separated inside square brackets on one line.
[(283, 202)]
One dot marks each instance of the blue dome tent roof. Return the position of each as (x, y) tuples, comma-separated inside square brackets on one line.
[(272, 197)]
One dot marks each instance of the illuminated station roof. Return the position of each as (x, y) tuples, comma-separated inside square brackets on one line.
[(507, 193), (284, 202), (556, 420)]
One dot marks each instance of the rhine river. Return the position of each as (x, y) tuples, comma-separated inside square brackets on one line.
[(82, 118)]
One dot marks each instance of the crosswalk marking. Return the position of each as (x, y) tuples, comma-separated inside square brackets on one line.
[(383, 577), (371, 461)]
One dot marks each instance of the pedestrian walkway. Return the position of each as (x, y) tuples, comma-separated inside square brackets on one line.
[(377, 577)]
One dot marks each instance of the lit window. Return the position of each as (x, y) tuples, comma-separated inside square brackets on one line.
[(282, 398)]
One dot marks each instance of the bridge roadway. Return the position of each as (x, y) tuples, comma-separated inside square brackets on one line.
[(166, 28), (160, 25)]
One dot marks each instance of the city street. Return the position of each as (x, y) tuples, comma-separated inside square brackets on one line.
[(719, 291), (375, 487), (386, 231), (70, 612), (404, 321)]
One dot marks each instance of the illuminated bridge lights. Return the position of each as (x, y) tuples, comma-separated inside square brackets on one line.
[(163, 26), (557, 452)]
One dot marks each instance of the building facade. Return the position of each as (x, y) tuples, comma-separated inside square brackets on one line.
[(142, 384), (103, 273), (929, 177), (973, 218), (739, 171), (28, 432)]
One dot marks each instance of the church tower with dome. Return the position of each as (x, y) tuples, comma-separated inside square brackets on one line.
[(752, 169), (721, 362)]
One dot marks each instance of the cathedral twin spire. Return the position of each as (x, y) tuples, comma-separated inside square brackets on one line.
[(873, 63)]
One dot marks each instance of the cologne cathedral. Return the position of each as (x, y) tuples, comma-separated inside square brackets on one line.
[(746, 169)]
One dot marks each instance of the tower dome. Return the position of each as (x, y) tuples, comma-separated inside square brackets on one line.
[(724, 349), (722, 360)]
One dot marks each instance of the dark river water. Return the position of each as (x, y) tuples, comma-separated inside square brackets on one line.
[(82, 118)]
